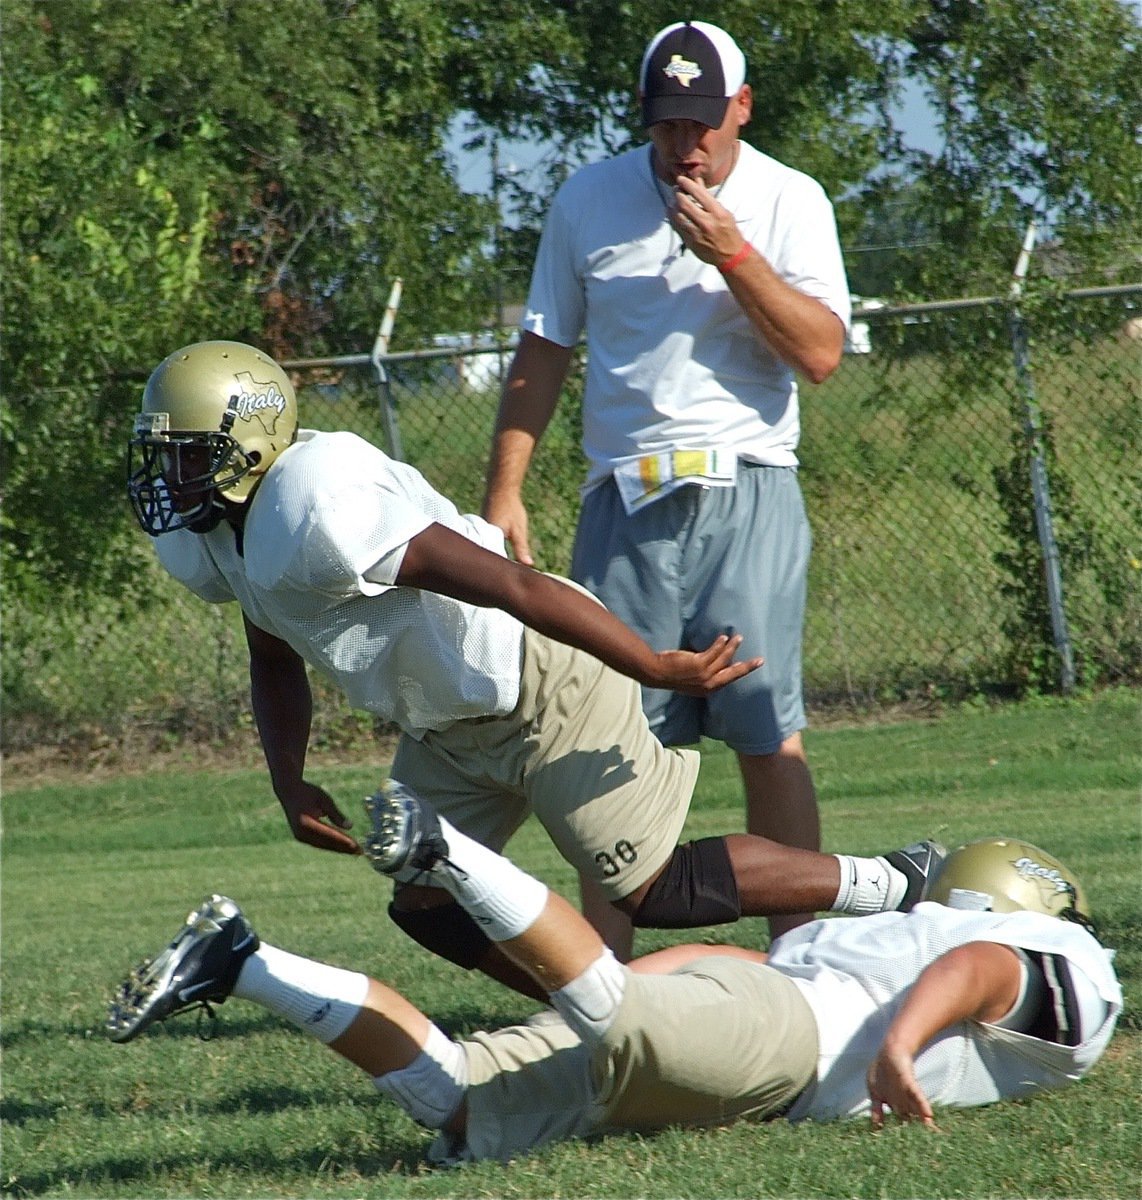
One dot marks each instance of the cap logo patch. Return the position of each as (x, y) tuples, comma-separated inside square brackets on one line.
[(262, 400), (682, 69), (1028, 868)]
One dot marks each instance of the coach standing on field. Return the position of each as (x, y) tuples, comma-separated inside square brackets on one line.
[(706, 276)]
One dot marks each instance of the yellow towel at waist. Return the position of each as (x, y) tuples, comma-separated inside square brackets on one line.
[(644, 480)]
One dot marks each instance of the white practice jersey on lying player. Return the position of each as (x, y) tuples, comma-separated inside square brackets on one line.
[(325, 536), (856, 973)]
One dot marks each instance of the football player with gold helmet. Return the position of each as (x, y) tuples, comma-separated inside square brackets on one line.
[(999, 990), (516, 692)]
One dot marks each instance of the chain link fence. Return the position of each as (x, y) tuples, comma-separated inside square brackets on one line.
[(971, 472), (974, 485), (972, 475)]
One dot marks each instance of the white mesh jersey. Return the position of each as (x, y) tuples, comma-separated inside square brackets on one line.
[(672, 360), (325, 536), (856, 973)]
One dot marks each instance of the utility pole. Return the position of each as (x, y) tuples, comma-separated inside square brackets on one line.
[(1040, 487), (384, 387), (497, 251)]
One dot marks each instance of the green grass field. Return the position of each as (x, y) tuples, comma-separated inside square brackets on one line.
[(98, 873)]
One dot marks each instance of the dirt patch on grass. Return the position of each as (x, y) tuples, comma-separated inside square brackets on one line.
[(43, 765), (96, 758)]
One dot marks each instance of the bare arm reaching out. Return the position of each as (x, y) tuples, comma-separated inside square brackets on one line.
[(441, 560), (283, 710), (976, 982)]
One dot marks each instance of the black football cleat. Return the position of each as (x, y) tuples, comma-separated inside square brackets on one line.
[(919, 864), (406, 840), (197, 969)]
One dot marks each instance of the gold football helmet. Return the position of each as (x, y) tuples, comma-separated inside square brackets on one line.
[(215, 417), (1006, 875)]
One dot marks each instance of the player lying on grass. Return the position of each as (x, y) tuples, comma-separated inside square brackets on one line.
[(984, 995), (515, 691)]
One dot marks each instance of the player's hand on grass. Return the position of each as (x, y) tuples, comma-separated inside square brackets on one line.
[(892, 1085), (315, 819), (699, 672)]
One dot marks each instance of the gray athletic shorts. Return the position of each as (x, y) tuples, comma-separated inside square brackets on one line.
[(717, 1040), (703, 561), (577, 752)]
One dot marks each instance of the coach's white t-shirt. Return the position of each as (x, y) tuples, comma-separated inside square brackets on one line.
[(672, 362), (855, 975), (324, 539)]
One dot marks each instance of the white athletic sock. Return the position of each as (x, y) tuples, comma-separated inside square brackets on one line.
[(502, 899), (431, 1087), (319, 999), (868, 885), (591, 1000)]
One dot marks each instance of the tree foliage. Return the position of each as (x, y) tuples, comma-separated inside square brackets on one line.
[(1038, 103), (205, 168), (1035, 106), (200, 168)]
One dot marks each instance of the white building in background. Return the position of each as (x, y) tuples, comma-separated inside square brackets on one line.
[(483, 358), (859, 339), (478, 361)]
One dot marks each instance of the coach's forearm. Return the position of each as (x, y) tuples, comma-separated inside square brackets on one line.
[(800, 330), (512, 451), (530, 395)]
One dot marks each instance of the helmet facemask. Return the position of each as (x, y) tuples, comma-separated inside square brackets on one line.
[(1071, 913), (176, 480)]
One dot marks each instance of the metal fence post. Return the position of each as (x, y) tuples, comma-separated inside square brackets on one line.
[(1040, 486), (380, 349)]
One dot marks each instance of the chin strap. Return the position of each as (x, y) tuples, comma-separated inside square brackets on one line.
[(1075, 917), (210, 519)]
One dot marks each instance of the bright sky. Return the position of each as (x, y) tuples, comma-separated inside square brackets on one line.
[(523, 158)]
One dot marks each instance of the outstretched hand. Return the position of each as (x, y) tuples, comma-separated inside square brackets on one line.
[(315, 819), (892, 1084), (700, 672)]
